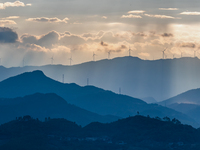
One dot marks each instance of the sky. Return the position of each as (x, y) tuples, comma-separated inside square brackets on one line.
[(32, 32)]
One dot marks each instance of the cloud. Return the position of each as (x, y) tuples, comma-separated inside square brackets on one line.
[(50, 20), (186, 45), (131, 16), (49, 39), (160, 16), (26, 38), (103, 43), (11, 17), (7, 35), (168, 9), (46, 40), (167, 35), (123, 46), (116, 48), (92, 36), (123, 35), (53, 38), (61, 48), (190, 13), (33, 47), (5, 22), (104, 17), (28, 4), (12, 4), (140, 34), (77, 22), (71, 40), (136, 12), (88, 35)]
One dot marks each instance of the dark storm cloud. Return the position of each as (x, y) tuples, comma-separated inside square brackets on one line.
[(103, 43), (167, 35), (186, 45), (7, 35), (139, 34), (123, 47)]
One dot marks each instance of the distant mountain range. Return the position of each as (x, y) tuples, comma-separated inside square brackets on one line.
[(159, 79), (90, 98), (190, 97), (42, 106), (187, 103)]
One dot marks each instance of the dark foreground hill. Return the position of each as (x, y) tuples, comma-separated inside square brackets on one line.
[(42, 106), (159, 79), (90, 98), (133, 133)]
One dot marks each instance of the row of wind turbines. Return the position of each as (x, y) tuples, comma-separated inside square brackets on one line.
[(164, 56), (109, 53), (129, 54)]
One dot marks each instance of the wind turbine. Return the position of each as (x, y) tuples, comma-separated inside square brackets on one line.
[(120, 91), (109, 54), (52, 59), (23, 62), (70, 60), (173, 56), (164, 53), (63, 78), (129, 51), (94, 56), (0, 61)]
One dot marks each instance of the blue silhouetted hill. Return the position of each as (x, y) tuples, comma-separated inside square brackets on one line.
[(42, 106), (192, 110), (160, 79), (90, 98), (187, 103), (190, 97), (32, 82)]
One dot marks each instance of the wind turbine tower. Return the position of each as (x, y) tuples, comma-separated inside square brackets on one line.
[(129, 51), (23, 62), (164, 53), (120, 91), (109, 54), (70, 60), (63, 78), (94, 56), (52, 59)]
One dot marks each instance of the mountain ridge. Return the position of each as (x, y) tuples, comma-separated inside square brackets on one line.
[(90, 98), (47, 105), (160, 79)]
